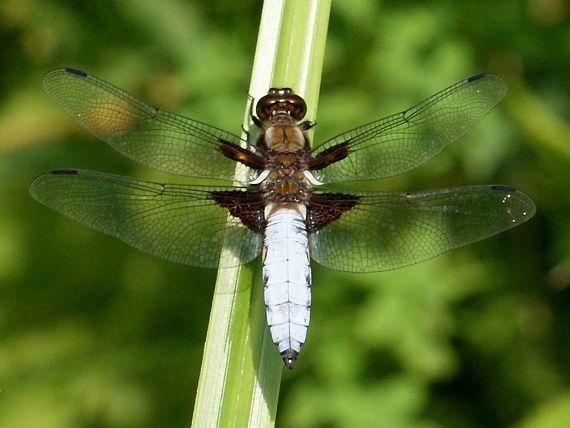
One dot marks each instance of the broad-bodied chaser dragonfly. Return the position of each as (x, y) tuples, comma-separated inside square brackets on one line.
[(282, 208)]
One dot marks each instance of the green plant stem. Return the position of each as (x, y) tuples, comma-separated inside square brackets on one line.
[(241, 370)]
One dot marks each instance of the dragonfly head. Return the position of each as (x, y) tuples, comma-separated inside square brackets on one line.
[(281, 101)]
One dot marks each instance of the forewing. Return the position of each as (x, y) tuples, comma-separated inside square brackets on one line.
[(390, 230), (405, 140), (178, 222), (149, 135)]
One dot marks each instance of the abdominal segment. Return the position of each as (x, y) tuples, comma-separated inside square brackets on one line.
[(287, 281)]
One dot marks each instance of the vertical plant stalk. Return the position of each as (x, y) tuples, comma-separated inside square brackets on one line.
[(241, 370)]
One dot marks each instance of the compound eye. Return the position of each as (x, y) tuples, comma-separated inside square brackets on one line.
[(280, 100), (298, 106), (265, 106)]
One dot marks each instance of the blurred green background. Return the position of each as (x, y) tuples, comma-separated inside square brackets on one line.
[(96, 334)]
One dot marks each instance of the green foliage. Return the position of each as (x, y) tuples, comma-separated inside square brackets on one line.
[(95, 333)]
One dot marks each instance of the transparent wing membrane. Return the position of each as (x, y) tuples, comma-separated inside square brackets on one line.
[(403, 141), (362, 232), (394, 229), (181, 223), (149, 135)]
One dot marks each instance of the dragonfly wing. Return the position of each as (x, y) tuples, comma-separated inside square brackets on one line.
[(177, 222), (388, 230), (149, 135), (403, 141)]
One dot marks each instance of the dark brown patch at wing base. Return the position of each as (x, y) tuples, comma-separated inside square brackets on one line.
[(247, 206), (324, 208), (244, 156), (328, 156)]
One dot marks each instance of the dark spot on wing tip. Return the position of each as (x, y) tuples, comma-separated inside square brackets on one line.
[(501, 188), (476, 77), (64, 172), (77, 72), (289, 357)]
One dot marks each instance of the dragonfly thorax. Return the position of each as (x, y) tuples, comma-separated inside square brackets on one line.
[(284, 136)]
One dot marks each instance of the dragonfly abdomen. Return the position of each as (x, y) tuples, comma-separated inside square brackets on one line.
[(287, 281)]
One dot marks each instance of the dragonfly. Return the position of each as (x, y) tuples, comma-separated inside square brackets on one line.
[(282, 202)]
